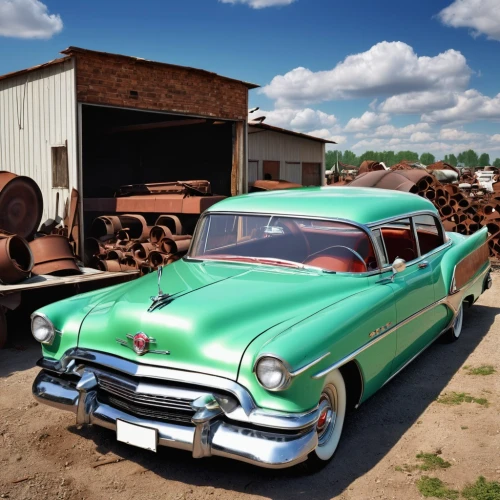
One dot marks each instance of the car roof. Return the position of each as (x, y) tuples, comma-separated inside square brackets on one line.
[(361, 205)]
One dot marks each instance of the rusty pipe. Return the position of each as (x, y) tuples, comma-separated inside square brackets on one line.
[(158, 232), (446, 210), (175, 244), (156, 259), (172, 222), (16, 259), (109, 265), (441, 201)]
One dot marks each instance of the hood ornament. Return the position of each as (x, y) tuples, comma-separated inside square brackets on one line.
[(161, 296)]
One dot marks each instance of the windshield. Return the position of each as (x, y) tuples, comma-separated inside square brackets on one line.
[(284, 241)]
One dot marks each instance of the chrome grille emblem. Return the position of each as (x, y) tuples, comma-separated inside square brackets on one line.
[(140, 344)]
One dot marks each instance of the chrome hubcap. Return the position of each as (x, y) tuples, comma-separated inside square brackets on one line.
[(457, 325), (327, 414)]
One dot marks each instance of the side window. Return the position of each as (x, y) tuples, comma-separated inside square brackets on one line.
[(399, 240), (429, 233)]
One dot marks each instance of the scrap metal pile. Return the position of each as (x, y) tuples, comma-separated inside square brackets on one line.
[(129, 243), (460, 211), (24, 250)]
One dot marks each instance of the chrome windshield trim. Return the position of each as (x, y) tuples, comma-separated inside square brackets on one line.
[(401, 216), (363, 227)]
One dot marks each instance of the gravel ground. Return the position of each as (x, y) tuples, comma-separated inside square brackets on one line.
[(44, 455)]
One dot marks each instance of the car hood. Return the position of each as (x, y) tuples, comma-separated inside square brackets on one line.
[(216, 311)]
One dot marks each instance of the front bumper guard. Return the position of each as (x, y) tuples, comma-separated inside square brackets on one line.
[(208, 436)]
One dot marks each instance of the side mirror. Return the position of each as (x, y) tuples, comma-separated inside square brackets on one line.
[(398, 266)]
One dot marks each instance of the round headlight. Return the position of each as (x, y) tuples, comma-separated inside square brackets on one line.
[(272, 374), (42, 329)]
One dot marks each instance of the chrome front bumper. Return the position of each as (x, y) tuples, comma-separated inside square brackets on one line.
[(207, 436)]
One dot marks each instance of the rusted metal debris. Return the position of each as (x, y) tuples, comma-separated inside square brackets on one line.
[(269, 185), (16, 258), (53, 254), (370, 166), (127, 243), (21, 204), (461, 212)]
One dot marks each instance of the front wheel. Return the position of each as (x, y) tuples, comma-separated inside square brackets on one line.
[(332, 409), (453, 334)]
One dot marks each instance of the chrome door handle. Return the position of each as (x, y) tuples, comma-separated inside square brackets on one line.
[(423, 264)]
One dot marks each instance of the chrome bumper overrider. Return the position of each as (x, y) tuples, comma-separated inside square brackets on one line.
[(208, 434)]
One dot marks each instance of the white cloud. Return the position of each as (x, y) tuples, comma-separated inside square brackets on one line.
[(392, 131), (469, 106), (260, 4), (453, 134), (482, 16), (298, 119), (366, 121), (327, 134), (387, 68), (421, 137), (418, 102), (495, 138), (27, 19)]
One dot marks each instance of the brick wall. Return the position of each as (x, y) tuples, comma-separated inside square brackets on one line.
[(109, 79)]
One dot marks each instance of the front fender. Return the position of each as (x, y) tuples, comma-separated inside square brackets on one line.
[(338, 330), (67, 316)]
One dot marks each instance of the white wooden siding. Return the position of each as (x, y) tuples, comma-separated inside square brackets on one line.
[(37, 112), (276, 146)]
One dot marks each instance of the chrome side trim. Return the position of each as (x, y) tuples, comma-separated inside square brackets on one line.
[(309, 365), (451, 301)]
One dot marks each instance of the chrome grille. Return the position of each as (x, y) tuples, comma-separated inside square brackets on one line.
[(149, 412), (148, 398), (165, 402)]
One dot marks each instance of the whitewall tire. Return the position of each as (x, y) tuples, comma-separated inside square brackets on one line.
[(332, 404)]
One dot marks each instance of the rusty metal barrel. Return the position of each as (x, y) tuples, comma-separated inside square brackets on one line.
[(53, 255), (21, 204), (16, 259)]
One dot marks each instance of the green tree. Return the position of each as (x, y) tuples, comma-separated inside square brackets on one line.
[(427, 158), (461, 159), (496, 163), (484, 160), (406, 155), (330, 159), (452, 160), (469, 158), (350, 158)]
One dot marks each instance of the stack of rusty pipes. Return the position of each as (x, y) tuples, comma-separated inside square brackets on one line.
[(127, 243)]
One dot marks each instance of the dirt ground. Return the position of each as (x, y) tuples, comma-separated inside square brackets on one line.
[(44, 455)]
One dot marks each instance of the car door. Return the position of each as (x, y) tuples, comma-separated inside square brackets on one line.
[(413, 290)]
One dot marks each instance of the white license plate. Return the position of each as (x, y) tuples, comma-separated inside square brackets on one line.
[(137, 435)]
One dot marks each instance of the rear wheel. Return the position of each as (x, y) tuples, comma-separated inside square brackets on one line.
[(453, 334), (332, 409)]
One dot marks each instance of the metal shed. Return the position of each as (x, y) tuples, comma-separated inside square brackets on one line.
[(95, 121), (276, 153)]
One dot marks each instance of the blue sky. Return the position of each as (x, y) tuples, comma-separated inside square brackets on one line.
[(372, 75)]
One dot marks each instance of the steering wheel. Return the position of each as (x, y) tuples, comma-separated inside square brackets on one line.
[(356, 254), (294, 229)]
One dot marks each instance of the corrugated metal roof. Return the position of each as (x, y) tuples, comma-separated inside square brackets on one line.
[(265, 126), (34, 68), (72, 50)]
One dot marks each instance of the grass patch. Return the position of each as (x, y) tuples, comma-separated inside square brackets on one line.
[(482, 490), (431, 461), (434, 487), (481, 370), (457, 398), (463, 427)]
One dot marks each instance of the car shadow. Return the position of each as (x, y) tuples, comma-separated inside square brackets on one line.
[(369, 433)]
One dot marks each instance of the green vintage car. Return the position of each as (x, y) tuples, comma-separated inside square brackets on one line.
[(290, 308)]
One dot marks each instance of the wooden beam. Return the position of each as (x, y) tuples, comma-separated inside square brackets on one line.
[(152, 126)]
